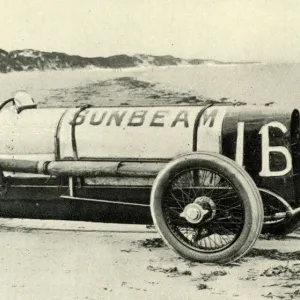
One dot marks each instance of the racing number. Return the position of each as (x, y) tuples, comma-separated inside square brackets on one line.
[(266, 149)]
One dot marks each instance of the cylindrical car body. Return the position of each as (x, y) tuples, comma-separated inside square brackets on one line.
[(261, 139)]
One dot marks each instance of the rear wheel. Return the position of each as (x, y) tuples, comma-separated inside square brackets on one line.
[(206, 208), (276, 210)]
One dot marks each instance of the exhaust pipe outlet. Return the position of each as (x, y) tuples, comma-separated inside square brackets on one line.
[(22, 166)]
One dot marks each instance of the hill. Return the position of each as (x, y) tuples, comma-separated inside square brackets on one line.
[(30, 60)]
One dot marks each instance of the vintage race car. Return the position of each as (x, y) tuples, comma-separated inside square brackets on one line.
[(210, 177)]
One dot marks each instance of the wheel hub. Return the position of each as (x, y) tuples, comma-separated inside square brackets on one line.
[(196, 211)]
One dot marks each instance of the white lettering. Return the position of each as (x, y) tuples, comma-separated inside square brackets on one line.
[(239, 152), (266, 149)]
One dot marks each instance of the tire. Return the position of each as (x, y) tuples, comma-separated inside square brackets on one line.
[(227, 229)]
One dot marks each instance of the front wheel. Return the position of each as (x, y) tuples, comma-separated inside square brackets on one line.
[(207, 208)]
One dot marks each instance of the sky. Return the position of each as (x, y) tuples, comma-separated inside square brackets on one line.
[(228, 30)]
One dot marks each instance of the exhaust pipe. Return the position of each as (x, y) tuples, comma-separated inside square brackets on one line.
[(82, 168)]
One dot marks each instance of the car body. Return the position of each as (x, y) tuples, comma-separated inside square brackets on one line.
[(100, 163)]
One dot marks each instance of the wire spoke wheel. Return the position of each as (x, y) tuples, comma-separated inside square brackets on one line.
[(206, 208), (196, 191)]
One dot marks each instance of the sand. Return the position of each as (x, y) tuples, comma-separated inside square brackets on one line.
[(81, 260)]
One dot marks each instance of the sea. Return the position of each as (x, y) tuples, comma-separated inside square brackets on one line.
[(268, 84)]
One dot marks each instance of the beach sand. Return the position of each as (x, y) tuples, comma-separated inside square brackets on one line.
[(81, 260)]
